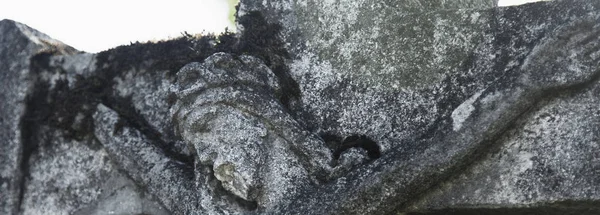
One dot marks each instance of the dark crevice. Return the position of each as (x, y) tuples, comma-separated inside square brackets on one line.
[(358, 141), (129, 115), (332, 141), (220, 191), (339, 145), (30, 123), (262, 39), (554, 208)]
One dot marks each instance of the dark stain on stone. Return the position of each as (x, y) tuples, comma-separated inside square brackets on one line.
[(64, 104), (34, 117), (556, 208), (261, 39), (70, 106), (332, 141)]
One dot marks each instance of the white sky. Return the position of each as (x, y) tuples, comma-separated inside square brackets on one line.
[(93, 26), (515, 2)]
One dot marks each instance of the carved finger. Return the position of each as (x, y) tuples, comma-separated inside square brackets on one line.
[(276, 119), (259, 74), (222, 68), (214, 76)]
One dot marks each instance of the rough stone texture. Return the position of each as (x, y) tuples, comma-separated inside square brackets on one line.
[(229, 112), (550, 159), (17, 44), (121, 196), (386, 107), (48, 165), (403, 82)]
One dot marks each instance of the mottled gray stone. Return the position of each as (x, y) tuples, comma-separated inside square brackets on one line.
[(18, 43), (230, 115), (150, 168), (549, 158), (46, 169), (429, 90), (400, 106), (70, 167), (120, 195)]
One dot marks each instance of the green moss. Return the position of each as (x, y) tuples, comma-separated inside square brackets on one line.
[(232, 5)]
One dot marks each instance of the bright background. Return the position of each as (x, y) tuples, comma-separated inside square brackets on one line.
[(94, 26), (516, 2)]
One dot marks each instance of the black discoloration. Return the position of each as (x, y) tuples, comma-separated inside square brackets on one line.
[(261, 39), (33, 117), (332, 141), (555, 208), (61, 105), (359, 141)]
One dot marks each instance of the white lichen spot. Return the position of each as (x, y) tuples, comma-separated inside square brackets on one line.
[(524, 162), (491, 97), (475, 16), (462, 112)]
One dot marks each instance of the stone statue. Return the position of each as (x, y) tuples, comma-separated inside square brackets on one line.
[(228, 113), (310, 110)]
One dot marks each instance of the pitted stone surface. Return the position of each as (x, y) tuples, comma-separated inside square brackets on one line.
[(414, 85), (316, 107), (551, 154), (230, 116), (18, 43)]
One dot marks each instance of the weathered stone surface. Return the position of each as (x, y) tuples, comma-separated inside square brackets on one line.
[(145, 163), (230, 115), (388, 106), (549, 159), (18, 44), (120, 195), (70, 167), (417, 101), (406, 94), (50, 165)]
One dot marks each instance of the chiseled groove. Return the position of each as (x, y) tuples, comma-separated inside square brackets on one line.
[(136, 120)]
